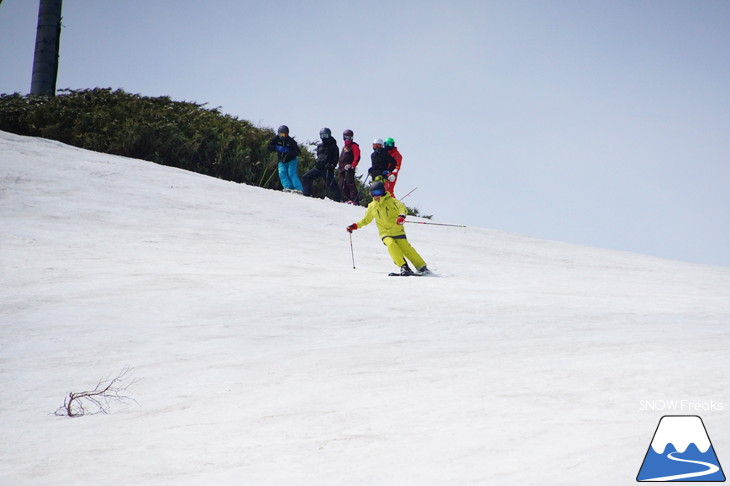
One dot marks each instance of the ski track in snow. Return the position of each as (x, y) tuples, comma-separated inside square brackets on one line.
[(265, 359), (711, 469)]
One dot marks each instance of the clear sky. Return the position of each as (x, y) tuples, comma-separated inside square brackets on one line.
[(604, 123)]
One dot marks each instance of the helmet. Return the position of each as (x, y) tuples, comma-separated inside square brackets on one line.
[(389, 142), (325, 133), (348, 133), (377, 189), (378, 141), (283, 129)]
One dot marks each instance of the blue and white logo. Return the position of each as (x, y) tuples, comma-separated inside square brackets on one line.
[(681, 451)]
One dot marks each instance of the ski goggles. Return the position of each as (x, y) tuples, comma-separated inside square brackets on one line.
[(377, 192)]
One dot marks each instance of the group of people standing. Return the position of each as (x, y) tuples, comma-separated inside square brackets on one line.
[(336, 167), (388, 213)]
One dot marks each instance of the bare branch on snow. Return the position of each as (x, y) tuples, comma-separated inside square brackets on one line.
[(107, 391)]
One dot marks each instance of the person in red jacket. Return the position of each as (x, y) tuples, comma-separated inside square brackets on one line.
[(349, 158), (392, 178)]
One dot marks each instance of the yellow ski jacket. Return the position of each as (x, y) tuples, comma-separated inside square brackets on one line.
[(385, 212)]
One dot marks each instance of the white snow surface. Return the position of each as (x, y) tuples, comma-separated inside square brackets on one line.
[(264, 358)]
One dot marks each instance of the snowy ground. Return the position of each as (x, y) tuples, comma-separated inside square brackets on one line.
[(265, 359)]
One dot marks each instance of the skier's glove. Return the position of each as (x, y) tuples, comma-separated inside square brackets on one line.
[(391, 177), (348, 167), (352, 228), (281, 149), (401, 219)]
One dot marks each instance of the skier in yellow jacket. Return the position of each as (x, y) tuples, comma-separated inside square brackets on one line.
[(390, 214)]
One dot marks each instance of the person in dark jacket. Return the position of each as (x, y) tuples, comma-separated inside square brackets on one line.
[(382, 162), (327, 156), (288, 152), (349, 158)]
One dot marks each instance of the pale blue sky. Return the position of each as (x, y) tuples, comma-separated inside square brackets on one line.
[(604, 123)]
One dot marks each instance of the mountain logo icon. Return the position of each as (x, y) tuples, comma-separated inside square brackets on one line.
[(681, 451)]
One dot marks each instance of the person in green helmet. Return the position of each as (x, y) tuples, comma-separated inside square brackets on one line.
[(389, 215), (392, 177)]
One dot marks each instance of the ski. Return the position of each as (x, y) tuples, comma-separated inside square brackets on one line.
[(414, 274)]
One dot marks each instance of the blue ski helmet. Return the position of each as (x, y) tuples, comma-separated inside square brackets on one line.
[(377, 189), (325, 133), (283, 129)]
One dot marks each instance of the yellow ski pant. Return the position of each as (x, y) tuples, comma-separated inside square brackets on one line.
[(400, 249)]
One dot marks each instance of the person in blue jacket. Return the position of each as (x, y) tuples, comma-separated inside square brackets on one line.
[(288, 152)]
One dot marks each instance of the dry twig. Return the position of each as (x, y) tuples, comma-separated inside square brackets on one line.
[(108, 390)]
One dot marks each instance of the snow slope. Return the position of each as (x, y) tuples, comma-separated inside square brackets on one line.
[(264, 358)]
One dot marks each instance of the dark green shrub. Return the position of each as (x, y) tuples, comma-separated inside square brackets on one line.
[(174, 133), (178, 134)]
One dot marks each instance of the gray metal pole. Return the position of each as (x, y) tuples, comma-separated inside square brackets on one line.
[(47, 45)]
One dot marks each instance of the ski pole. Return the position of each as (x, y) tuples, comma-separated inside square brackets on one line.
[(437, 224), (352, 250), (362, 186), (413, 190)]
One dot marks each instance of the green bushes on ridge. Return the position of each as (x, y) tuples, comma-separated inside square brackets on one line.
[(173, 133)]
